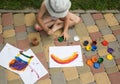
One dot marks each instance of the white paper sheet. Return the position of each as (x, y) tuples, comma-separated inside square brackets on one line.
[(33, 72), (64, 52)]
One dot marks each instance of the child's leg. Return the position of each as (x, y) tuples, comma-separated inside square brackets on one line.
[(74, 19)]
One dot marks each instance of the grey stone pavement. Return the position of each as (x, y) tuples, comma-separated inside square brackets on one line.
[(16, 28)]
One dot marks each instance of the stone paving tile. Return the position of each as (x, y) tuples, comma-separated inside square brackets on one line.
[(11, 40), (70, 73), (97, 16), (86, 77), (19, 19), (101, 23), (106, 31), (8, 33), (0, 18), (3, 79), (83, 69), (7, 21), (92, 29), (8, 27), (95, 36), (19, 29), (58, 78), (89, 53), (117, 17), (45, 81), (111, 70), (23, 44), (101, 69), (109, 37), (72, 33), (57, 43), (1, 38), (75, 81), (119, 67), (1, 46), (111, 20), (116, 53), (114, 78), (87, 19), (108, 63), (102, 78), (1, 29), (21, 35), (116, 27), (30, 29), (102, 52), (116, 32), (118, 38), (55, 70), (81, 30), (92, 83), (117, 61), (11, 75), (114, 45), (30, 19), (16, 81)]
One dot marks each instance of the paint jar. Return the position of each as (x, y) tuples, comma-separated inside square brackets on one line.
[(61, 39)]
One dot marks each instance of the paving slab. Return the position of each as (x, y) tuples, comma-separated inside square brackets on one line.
[(55, 70), (23, 44), (8, 33), (117, 16), (1, 29), (114, 78), (116, 53), (58, 78), (86, 77), (102, 52), (75, 81), (114, 45), (95, 36), (92, 29), (83, 69), (30, 19), (106, 31), (101, 78), (7, 21), (116, 27), (11, 40), (81, 30), (8, 27), (16, 81), (109, 37), (116, 32), (3, 78), (21, 36), (70, 73), (0, 18), (101, 23), (30, 29), (1, 38), (19, 19), (87, 19), (45, 81), (97, 16), (19, 29), (111, 20), (111, 69)]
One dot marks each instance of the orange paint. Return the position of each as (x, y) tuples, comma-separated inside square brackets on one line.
[(66, 60), (89, 62)]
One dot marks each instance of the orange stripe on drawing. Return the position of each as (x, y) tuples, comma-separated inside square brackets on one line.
[(65, 60)]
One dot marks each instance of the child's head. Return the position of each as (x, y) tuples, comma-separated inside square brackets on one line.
[(58, 8)]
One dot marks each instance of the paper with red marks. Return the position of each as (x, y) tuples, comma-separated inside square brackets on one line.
[(65, 56)]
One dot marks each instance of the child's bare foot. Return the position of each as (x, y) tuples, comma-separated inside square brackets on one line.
[(37, 27), (57, 27)]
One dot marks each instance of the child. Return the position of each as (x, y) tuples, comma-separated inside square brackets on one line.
[(53, 15)]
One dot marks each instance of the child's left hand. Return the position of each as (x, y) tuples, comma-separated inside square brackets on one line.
[(66, 36)]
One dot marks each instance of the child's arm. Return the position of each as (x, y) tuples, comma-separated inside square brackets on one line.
[(39, 17)]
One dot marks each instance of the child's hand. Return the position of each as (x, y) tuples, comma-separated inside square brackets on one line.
[(66, 35)]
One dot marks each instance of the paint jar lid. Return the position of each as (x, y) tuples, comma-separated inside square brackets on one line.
[(96, 65), (100, 60)]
